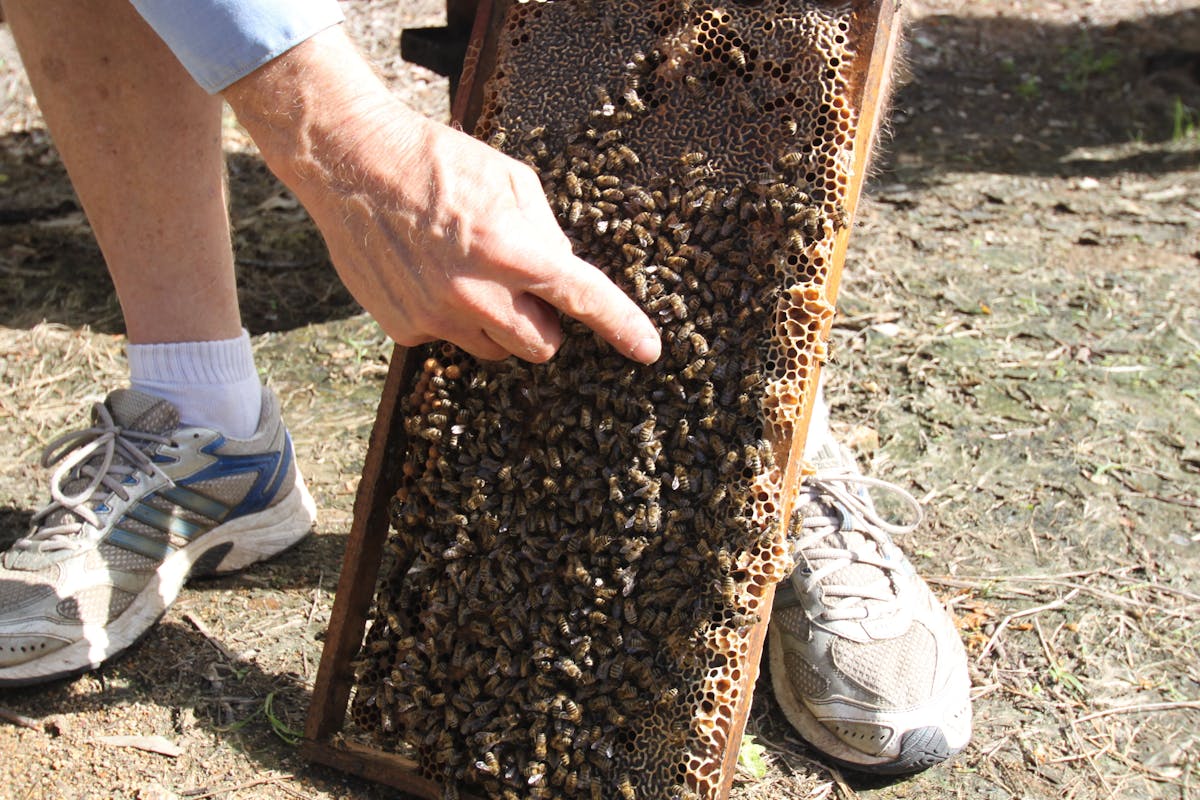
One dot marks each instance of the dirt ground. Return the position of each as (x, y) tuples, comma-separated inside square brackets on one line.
[(1019, 344)]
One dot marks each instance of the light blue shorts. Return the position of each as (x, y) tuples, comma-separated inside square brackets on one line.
[(220, 41)]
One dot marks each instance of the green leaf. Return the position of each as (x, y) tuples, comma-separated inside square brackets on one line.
[(752, 757)]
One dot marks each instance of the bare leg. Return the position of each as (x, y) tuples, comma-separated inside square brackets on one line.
[(141, 142)]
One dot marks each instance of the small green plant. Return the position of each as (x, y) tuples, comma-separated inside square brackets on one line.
[(278, 726), (1067, 679), (752, 757), (1185, 121), (1029, 88), (1084, 64), (284, 731)]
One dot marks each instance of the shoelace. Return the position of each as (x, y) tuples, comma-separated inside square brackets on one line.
[(849, 511), (107, 455)]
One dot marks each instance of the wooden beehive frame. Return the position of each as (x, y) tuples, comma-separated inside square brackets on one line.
[(875, 39)]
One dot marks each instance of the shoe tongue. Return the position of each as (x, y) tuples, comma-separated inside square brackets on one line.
[(828, 456), (138, 411), (831, 456)]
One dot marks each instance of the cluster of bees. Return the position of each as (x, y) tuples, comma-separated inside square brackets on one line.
[(582, 547)]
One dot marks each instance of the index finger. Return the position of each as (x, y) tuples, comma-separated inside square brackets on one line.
[(585, 293)]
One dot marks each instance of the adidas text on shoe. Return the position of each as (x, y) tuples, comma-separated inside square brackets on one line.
[(865, 663), (139, 504)]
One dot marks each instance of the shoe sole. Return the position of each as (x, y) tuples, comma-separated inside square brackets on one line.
[(225, 549), (920, 748)]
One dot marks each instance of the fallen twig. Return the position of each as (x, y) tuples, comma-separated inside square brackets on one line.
[(1141, 708), (203, 792), (1004, 623), (20, 720), (199, 625)]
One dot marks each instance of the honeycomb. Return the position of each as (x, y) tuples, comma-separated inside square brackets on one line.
[(583, 549)]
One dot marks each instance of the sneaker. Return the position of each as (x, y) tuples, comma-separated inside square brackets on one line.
[(139, 505), (866, 664)]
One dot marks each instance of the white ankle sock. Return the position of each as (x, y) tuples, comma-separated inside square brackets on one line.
[(213, 384)]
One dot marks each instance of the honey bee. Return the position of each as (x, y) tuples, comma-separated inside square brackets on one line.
[(728, 590), (654, 517), (677, 263), (627, 156), (574, 186), (810, 223), (697, 174), (693, 159), (571, 710), (642, 235), (569, 668), (640, 198), (620, 230), (737, 56), (694, 369), (681, 480), (678, 306), (609, 138), (839, 217), (753, 459), (744, 100), (634, 254), (632, 101), (539, 746)]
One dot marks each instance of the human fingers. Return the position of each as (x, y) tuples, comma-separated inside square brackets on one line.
[(479, 343), (467, 333), (529, 329), (579, 289), (583, 292)]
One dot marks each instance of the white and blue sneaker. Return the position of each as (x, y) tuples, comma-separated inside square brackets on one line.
[(865, 662), (140, 504)]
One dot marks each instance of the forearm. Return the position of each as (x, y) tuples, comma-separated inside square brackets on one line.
[(299, 108)]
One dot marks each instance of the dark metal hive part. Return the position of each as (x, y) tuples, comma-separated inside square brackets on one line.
[(584, 549)]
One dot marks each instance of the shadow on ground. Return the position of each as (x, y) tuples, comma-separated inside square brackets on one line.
[(14, 523), (205, 691), (1032, 97), (51, 268)]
